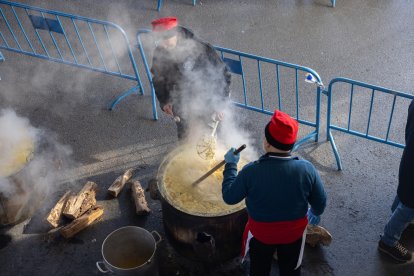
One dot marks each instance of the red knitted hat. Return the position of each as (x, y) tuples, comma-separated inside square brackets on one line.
[(164, 24), (282, 130)]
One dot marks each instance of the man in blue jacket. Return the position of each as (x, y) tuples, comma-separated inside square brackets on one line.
[(278, 189), (403, 206)]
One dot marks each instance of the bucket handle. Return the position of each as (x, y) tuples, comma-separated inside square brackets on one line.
[(158, 236), (103, 270)]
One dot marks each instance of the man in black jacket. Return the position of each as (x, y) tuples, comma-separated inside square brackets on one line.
[(191, 82), (403, 206)]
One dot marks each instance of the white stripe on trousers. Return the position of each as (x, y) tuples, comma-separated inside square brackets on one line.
[(301, 249)]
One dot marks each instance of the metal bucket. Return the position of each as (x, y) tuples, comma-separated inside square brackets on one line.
[(130, 250)]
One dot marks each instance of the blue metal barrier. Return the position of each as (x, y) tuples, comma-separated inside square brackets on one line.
[(159, 4), (236, 61), (255, 99), (70, 39), (352, 86)]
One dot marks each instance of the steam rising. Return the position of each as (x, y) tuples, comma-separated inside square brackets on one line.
[(199, 94), (88, 45), (37, 175)]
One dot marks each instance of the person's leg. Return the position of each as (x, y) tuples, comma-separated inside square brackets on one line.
[(395, 204), (399, 220), (389, 242), (288, 258), (260, 258)]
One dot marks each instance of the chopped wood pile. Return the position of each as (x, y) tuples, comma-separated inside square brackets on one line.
[(81, 207), (78, 204)]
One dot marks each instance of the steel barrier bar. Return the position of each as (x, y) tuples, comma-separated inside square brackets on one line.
[(1, 59), (112, 49), (10, 29), (81, 41), (67, 41), (278, 87), (21, 27), (160, 2), (297, 93), (260, 84)]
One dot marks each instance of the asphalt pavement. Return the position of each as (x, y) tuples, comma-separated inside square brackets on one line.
[(370, 41)]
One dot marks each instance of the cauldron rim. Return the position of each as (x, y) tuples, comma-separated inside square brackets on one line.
[(164, 197)]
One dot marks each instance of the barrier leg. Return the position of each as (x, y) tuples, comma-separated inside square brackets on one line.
[(159, 4), (154, 104), (310, 136), (333, 3), (194, 2), (1, 59), (318, 112), (127, 93), (335, 150)]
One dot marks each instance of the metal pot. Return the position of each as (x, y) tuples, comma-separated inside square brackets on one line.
[(204, 238), (130, 250)]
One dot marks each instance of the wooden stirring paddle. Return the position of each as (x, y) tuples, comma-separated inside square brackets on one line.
[(216, 167)]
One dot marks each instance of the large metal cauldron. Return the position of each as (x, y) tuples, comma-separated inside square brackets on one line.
[(208, 238)]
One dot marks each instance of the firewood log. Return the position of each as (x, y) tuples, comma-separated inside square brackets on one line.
[(138, 195), (55, 214), (82, 222), (78, 204), (119, 183)]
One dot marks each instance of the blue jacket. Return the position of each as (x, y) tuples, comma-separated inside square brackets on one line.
[(406, 174), (276, 188)]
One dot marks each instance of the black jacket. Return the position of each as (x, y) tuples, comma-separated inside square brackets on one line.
[(191, 76), (406, 174)]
